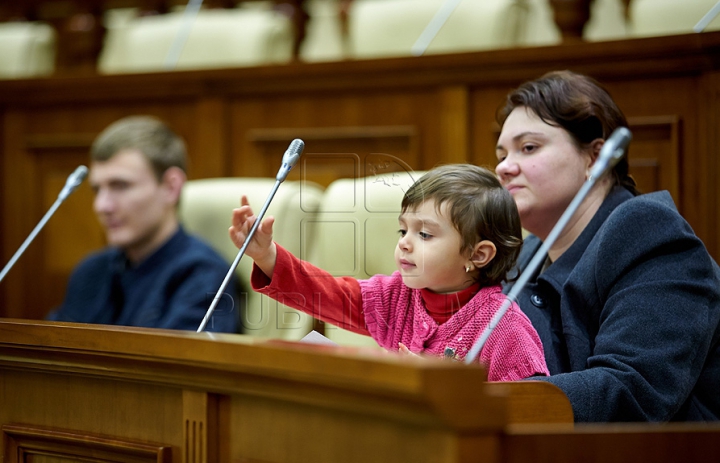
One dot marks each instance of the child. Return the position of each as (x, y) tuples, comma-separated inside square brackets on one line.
[(459, 236)]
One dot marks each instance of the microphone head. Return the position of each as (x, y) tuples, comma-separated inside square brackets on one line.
[(290, 158), (79, 175), (614, 148), (611, 152), (73, 181)]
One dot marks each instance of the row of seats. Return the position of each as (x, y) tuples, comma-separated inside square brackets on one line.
[(347, 229), (254, 33)]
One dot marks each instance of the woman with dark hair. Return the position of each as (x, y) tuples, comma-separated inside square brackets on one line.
[(627, 303)]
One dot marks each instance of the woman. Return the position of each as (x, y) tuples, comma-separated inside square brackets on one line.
[(627, 304)]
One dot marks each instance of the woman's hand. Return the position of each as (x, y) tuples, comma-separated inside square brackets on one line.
[(261, 248)]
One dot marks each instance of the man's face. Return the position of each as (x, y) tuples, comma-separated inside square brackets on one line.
[(134, 208)]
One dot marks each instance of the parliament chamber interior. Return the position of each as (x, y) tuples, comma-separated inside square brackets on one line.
[(376, 106)]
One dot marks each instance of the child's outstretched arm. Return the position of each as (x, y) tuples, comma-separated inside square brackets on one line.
[(262, 247)]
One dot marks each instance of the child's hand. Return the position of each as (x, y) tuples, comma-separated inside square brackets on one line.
[(404, 350), (262, 248)]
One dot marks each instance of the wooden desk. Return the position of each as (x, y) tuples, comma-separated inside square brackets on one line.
[(72, 392), (155, 395)]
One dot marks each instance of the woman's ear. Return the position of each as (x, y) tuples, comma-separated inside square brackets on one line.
[(483, 253), (594, 150)]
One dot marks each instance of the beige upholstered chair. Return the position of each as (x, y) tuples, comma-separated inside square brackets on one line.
[(381, 28), (356, 231), (206, 208), (536, 26), (668, 17), (27, 49), (243, 36)]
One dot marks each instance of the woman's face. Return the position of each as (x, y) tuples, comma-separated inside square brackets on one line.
[(541, 167)]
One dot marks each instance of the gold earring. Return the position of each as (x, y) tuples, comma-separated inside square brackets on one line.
[(467, 269)]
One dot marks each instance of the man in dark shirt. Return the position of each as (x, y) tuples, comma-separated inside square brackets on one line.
[(152, 273)]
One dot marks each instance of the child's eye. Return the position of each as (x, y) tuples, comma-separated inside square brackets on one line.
[(425, 236), (402, 232)]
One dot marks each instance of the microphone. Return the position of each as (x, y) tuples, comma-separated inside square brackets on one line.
[(73, 181), (610, 153), (290, 158)]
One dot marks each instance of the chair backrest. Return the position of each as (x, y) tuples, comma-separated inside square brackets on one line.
[(218, 38), (26, 49), (668, 17), (205, 210), (356, 231), (379, 28)]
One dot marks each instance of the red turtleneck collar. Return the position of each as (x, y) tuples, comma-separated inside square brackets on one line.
[(442, 306)]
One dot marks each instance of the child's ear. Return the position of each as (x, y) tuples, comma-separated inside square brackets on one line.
[(483, 253)]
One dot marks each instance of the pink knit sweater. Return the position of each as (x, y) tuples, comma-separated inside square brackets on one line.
[(392, 313)]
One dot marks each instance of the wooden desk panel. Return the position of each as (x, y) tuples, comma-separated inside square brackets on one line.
[(234, 398), (72, 392)]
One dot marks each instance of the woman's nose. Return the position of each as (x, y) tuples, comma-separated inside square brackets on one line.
[(506, 168)]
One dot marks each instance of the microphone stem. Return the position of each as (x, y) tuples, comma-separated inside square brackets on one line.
[(30, 238), (707, 19), (239, 256), (535, 262), (433, 27)]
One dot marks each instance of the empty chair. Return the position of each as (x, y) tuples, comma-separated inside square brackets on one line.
[(206, 210), (668, 17), (218, 38), (27, 49), (381, 28)]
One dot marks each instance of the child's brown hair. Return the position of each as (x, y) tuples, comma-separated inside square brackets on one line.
[(480, 209)]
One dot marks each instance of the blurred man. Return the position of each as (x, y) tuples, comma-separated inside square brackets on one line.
[(152, 273)]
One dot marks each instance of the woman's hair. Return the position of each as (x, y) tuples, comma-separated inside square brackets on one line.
[(162, 147), (480, 209), (576, 103)]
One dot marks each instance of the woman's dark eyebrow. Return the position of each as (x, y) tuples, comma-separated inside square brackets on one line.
[(519, 136)]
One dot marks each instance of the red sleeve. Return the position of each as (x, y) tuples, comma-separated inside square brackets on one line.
[(302, 286)]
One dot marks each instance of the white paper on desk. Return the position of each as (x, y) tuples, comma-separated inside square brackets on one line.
[(314, 337)]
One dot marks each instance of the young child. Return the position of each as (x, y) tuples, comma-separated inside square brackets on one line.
[(459, 236)]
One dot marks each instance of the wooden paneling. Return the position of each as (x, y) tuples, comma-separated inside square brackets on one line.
[(34, 444), (655, 157), (326, 158), (618, 443), (356, 117)]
